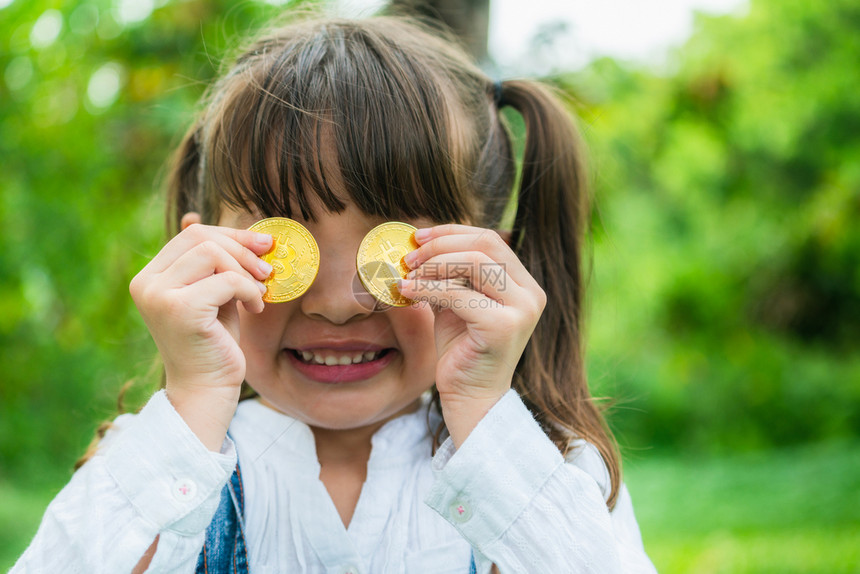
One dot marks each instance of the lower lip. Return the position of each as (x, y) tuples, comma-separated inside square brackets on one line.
[(341, 373)]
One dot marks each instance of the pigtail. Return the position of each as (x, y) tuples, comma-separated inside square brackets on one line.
[(547, 236)]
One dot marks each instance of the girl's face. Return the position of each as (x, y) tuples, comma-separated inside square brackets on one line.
[(333, 320)]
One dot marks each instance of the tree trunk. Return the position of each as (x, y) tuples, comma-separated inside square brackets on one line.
[(468, 19)]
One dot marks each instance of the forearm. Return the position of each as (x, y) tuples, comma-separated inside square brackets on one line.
[(565, 527), (509, 492), (151, 479), (100, 534), (463, 415), (207, 412)]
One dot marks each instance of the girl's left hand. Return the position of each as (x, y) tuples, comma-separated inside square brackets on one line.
[(481, 330)]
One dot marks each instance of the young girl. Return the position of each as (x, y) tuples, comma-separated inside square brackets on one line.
[(335, 464)]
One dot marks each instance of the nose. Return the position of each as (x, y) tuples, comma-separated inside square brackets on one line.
[(333, 296)]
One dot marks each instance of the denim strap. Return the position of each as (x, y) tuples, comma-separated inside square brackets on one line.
[(224, 550)]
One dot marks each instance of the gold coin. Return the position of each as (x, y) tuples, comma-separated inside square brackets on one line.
[(294, 257), (380, 261)]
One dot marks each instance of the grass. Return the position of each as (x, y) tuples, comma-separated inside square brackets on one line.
[(790, 511)]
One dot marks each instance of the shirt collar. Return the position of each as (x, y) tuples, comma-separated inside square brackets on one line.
[(263, 432)]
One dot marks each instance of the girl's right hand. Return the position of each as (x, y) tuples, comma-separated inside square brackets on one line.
[(188, 296)]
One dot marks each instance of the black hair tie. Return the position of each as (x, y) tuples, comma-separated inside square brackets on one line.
[(497, 92)]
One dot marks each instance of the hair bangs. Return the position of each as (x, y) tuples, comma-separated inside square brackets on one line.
[(340, 116)]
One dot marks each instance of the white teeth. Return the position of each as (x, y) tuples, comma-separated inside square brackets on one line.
[(331, 360)]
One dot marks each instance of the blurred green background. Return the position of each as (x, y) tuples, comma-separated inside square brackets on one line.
[(725, 297)]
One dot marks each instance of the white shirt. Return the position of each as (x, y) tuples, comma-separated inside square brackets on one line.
[(506, 492)]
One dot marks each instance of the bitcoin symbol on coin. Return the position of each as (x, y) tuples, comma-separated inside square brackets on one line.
[(294, 257), (284, 256), (394, 252)]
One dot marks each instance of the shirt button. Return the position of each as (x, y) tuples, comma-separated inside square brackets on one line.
[(350, 570), (184, 489), (460, 511)]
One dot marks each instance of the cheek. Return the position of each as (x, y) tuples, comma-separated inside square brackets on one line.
[(259, 332), (417, 332)]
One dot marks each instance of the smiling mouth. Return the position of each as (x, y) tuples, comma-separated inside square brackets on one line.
[(334, 358)]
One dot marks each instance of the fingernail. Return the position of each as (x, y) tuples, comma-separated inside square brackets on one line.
[(421, 234), (411, 258), (412, 274), (264, 267), (403, 284), (263, 239), (262, 287)]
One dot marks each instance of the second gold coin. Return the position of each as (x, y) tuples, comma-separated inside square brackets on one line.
[(380, 261)]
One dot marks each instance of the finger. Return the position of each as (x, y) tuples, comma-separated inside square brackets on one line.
[(245, 246), (427, 233), (467, 304), (483, 274), (219, 289), (472, 239), (208, 258)]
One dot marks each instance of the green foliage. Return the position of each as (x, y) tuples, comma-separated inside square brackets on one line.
[(726, 293), (87, 114)]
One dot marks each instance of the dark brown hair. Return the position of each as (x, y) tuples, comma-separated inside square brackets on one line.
[(412, 129)]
